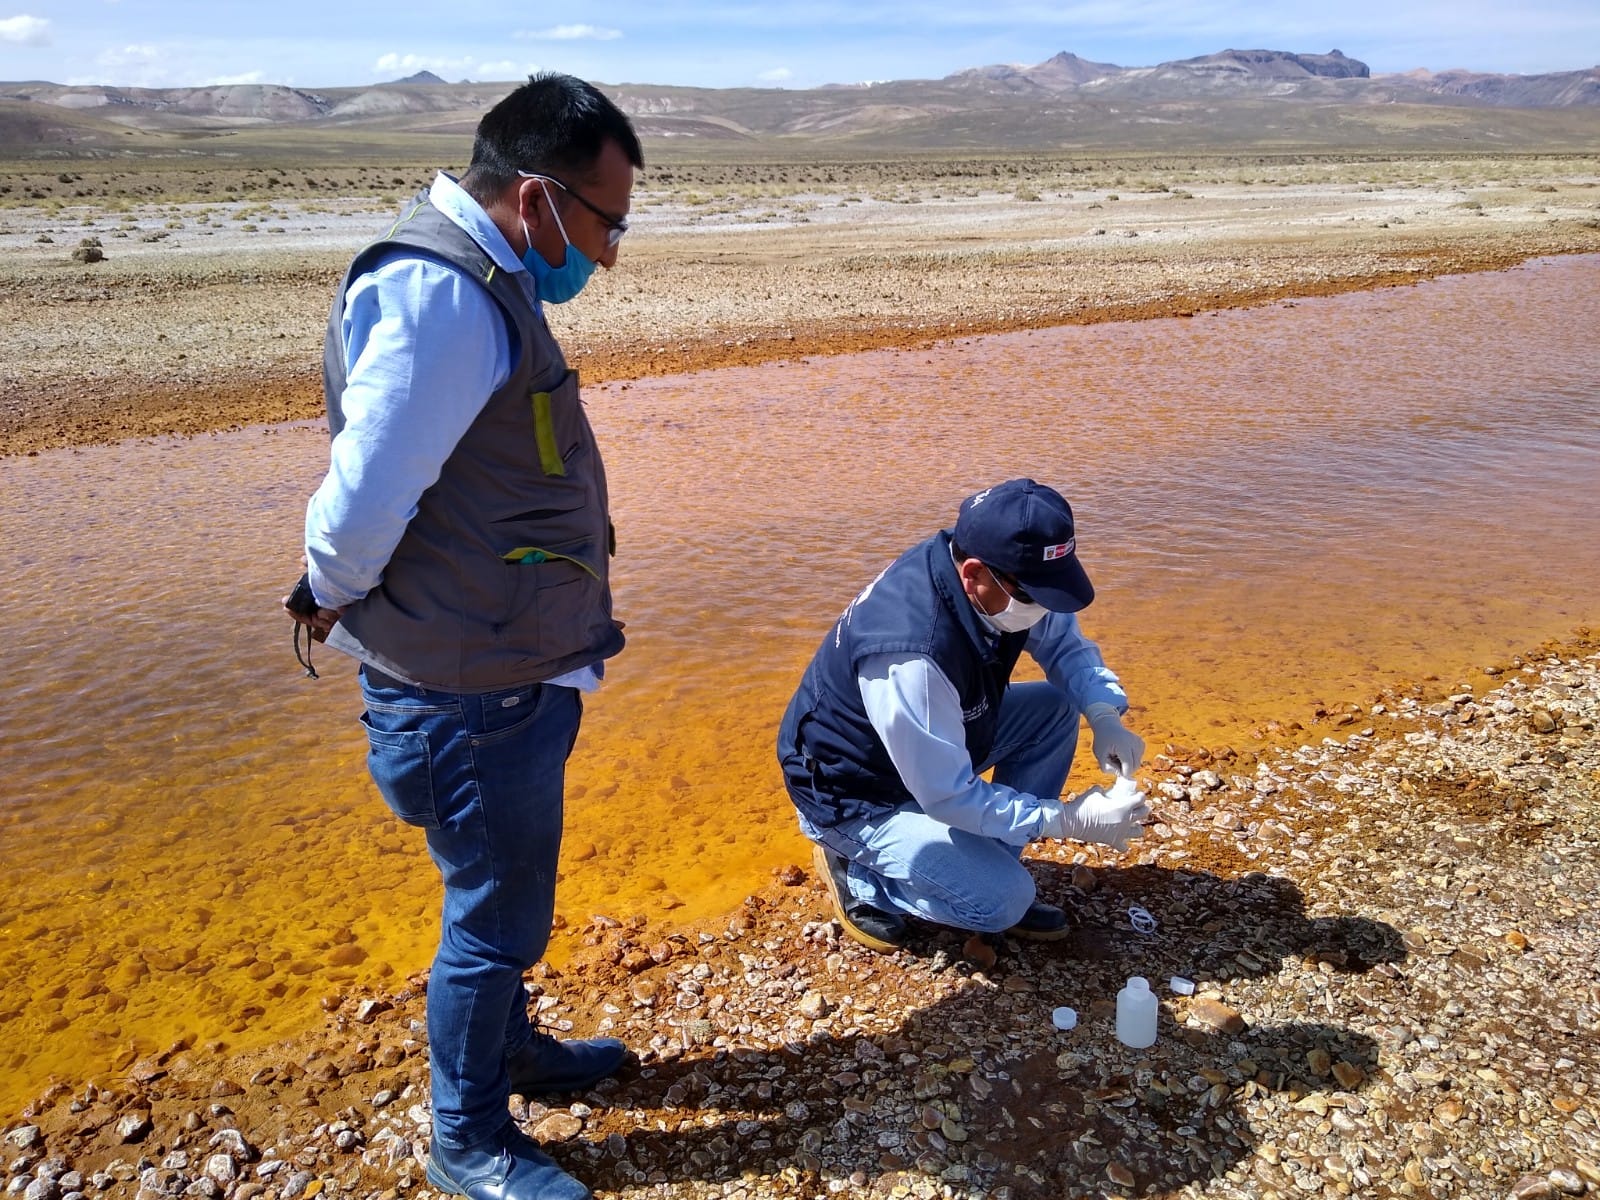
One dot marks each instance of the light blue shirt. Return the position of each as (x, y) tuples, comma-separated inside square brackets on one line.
[(916, 710), (425, 347)]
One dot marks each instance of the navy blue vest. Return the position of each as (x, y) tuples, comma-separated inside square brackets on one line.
[(834, 764)]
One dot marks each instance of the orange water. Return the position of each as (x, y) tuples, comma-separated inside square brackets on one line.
[(1298, 503)]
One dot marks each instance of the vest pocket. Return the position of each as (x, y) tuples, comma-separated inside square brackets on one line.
[(559, 426), (402, 767), (557, 600)]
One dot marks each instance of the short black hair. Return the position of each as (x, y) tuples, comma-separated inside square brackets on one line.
[(554, 124)]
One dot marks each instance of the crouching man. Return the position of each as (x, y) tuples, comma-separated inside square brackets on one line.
[(908, 701)]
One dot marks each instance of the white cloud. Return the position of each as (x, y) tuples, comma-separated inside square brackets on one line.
[(139, 64), (25, 31), (229, 80), (136, 55), (776, 75), (569, 33), (412, 63), (503, 69)]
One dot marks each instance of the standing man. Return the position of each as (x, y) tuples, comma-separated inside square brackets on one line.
[(909, 699), (458, 549)]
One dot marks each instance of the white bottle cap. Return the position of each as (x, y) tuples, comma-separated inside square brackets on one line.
[(1064, 1018), (1182, 986)]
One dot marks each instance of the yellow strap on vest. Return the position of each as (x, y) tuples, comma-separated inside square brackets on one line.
[(544, 430), (533, 555)]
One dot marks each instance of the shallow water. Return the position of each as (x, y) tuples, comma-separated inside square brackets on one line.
[(1279, 507)]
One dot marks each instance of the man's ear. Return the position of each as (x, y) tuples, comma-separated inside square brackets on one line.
[(524, 200), (972, 573)]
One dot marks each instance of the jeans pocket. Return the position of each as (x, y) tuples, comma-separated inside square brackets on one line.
[(402, 767)]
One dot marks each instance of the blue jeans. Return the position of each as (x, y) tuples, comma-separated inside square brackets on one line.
[(905, 861), (483, 776)]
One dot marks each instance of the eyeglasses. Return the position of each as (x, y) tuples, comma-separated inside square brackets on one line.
[(615, 226), (1011, 587)]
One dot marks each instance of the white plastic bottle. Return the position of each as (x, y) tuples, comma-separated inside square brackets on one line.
[(1136, 1014)]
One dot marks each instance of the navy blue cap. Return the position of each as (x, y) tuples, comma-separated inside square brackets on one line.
[(1025, 529)]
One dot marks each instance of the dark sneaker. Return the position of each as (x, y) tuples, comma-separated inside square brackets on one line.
[(547, 1064), (872, 927), (510, 1167), (1042, 923)]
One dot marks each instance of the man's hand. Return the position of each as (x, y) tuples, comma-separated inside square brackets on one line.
[(1117, 749), (320, 621), (1110, 818)]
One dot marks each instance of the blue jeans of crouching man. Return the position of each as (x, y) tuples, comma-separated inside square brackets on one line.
[(483, 776), (906, 861)]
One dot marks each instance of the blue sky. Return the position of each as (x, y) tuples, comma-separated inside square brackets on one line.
[(172, 43)]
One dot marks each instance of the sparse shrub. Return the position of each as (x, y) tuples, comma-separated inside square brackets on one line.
[(1112, 196), (1025, 193)]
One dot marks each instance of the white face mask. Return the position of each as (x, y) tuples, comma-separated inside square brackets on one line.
[(1015, 616)]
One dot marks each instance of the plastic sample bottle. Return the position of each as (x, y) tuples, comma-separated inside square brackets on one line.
[(1136, 1014)]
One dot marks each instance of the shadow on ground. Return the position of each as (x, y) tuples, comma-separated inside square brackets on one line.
[(980, 1091)]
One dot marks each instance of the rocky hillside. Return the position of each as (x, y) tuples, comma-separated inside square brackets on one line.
[(1234, 99)]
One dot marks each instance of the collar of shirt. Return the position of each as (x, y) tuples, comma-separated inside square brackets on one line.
[(452, 200)]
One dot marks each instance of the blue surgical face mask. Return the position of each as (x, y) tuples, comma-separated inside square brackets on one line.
[(557, 285)]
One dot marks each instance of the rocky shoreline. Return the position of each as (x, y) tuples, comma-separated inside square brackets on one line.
[(1390, 925)]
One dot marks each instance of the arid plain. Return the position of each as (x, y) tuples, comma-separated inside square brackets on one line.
[(207, 308)]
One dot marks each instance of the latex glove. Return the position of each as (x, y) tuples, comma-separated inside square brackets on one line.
[(1117, 749), (1110, 818)]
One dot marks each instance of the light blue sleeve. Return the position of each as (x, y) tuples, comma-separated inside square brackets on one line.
[(916, 711), (1073, 663), (425, 348)]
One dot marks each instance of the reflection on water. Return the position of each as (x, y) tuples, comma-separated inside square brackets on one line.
[(1282, 506)]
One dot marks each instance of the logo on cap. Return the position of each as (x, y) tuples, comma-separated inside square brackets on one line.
[(1051, 553)]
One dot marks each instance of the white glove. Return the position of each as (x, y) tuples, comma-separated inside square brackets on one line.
[(1108, 817), (1118, 750)]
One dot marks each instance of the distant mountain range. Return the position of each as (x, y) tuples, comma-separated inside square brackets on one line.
[(1240, 98), (1281, 73)]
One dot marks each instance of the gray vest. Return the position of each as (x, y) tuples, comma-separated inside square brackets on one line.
[(501, 579)]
